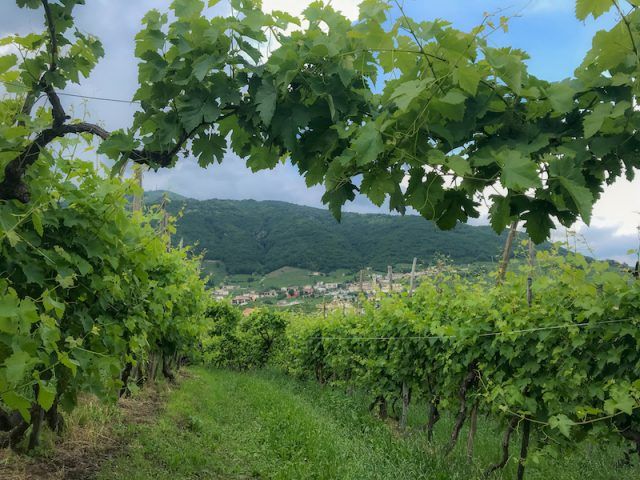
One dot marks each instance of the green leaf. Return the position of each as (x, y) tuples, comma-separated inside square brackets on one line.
[(582, 197), (209, 148), (36, 219), (407, 92), (537, 222), (50, 303), (16, 366), (518, 171), (562, 423), (266, 98), (71, 364), (459, 165), (46, 395), (6, 62), (584, 8), (203, 65), (118, 143), (454, 97), (594, 120), (560, 96), (187, 8), (9, 308), (17, 402), (367, 144), (195, 110), (499, 213), (468, 77)]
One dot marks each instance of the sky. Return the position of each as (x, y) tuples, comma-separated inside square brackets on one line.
[(546, 29)]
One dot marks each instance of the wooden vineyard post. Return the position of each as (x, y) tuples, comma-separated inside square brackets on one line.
[(405, 406), (526, 432), (164, 222), (506, 253), (390, 277), (413, 276), (138, 198)]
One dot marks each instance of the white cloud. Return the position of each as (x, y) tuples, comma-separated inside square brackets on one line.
[(348, 8)]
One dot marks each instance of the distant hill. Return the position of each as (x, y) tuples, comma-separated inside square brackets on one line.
[(251, 236)]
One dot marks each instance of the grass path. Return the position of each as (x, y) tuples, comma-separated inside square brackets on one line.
[(260, 425)]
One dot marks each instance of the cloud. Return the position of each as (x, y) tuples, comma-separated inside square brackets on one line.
[(349, 8)]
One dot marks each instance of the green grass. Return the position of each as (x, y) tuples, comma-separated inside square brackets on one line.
[(262, 425)]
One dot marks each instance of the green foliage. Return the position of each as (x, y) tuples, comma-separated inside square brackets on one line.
[(249, 236), (360, 106), (87, 288), (568, 363), (241, 342)]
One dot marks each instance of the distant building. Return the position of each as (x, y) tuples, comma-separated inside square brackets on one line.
[(240, 300)]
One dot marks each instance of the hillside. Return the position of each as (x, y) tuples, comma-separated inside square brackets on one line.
[(251, 236)]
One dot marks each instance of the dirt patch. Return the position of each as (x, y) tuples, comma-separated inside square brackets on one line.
[(95, 434)]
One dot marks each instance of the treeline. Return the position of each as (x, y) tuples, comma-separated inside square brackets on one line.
[(558, 371), (250, 236), (92, 300)]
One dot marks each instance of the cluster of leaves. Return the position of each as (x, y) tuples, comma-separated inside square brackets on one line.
[(568, 364), (363, 106), (236, 341), (88, 290)]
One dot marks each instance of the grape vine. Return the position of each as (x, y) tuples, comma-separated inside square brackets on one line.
[(357, 106)]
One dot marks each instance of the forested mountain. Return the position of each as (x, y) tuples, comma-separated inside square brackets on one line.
[(251, 236)]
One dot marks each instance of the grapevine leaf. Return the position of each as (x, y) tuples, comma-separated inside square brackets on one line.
[(518, 171), (46, 395), (468, 77), (6, 62), (118, 142), (367, 144), (407, 92), (582, 197), (16, 366), (36, 219), (266, 98), (562, 423), (17, 402), (203, 65), (584, 8), (537, 223), (459, 165), (561, 96), (594, 120), (187, 8), (196, 110), (499, 213)]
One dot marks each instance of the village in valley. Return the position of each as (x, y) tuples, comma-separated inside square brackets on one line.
[(326, 293)]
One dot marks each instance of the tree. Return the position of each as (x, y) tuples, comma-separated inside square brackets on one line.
[(456, 118)]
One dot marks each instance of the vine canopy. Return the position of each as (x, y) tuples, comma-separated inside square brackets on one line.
[(416, 113)]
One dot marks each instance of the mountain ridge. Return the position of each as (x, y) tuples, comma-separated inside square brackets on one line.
[(259, 236)]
